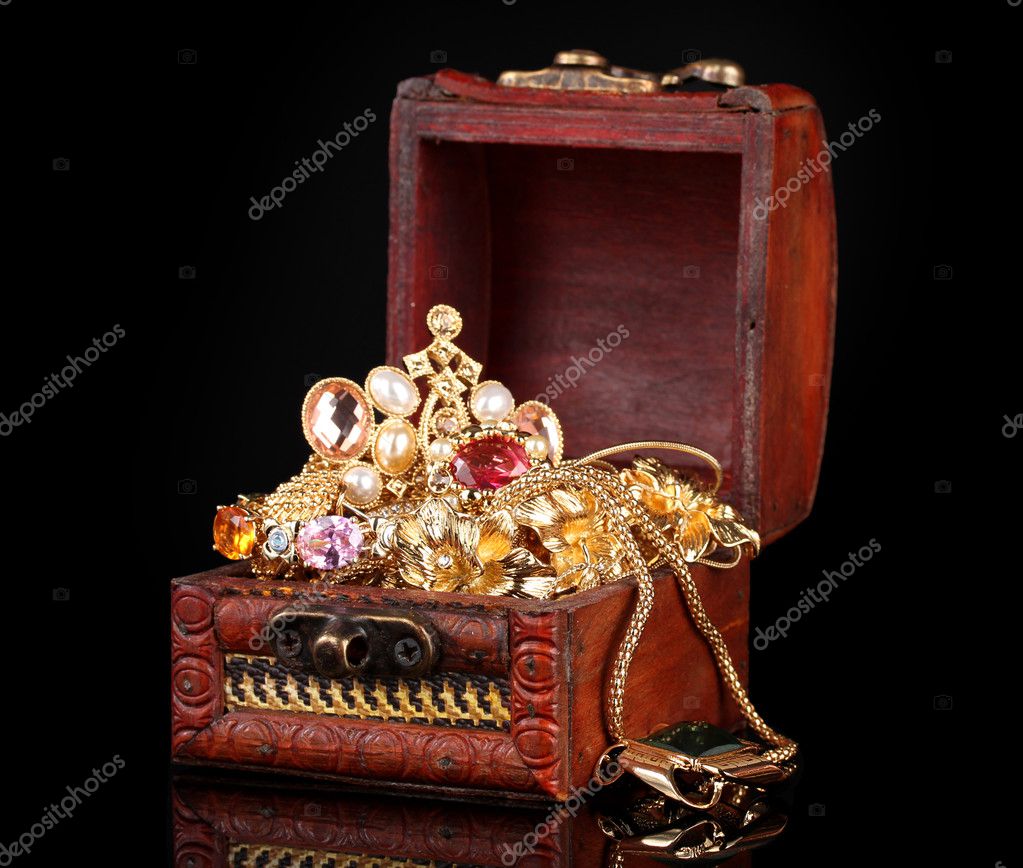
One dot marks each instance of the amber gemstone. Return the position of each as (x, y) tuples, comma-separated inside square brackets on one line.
[(489, 463), (337, 419), (234, 533)]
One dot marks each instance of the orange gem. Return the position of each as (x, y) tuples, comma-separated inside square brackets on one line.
[(234, 533)]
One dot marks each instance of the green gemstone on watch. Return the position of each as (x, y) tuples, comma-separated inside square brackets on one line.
[(694, 739)]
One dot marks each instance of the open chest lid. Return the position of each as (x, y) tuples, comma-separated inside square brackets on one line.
[(630, 259)]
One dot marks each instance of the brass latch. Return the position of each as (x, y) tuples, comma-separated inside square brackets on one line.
[(338, 644), (582, 69)]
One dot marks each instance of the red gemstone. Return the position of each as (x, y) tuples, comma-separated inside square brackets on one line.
[(489, 463)]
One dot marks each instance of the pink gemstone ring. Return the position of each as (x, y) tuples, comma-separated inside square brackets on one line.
[(329, 543)]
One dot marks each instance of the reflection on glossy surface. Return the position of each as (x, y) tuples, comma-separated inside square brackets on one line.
[(270, 824), (657, 828)]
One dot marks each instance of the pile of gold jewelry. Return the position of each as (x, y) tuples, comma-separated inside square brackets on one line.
[(475, 497)]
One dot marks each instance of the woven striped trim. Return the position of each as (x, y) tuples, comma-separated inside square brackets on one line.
[(453, 699), (257, 856)]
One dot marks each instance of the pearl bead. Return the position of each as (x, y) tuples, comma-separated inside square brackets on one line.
[(491, 402), (395, 446), (362, 484), (392, 392), (536, 447), (441, 449)]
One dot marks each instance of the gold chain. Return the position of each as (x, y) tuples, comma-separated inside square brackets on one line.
[(613, 497), (667, 445)]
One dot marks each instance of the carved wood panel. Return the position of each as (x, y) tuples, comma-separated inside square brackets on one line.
[(539, 697), (196, 664)]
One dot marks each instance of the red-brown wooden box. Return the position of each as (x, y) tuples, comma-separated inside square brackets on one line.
[(551, 220)]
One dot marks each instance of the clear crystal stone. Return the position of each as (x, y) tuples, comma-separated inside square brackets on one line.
[(278, 540)]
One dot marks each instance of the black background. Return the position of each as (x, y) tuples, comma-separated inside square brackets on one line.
[(110, 490)]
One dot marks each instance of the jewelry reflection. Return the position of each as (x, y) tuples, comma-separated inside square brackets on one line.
[(661, 829), (261, 822)]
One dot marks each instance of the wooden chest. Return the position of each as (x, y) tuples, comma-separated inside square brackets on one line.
[(622, 258)]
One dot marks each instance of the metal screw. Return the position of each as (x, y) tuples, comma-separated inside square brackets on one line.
[(408, 651), (289, 644), (187, 685)]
